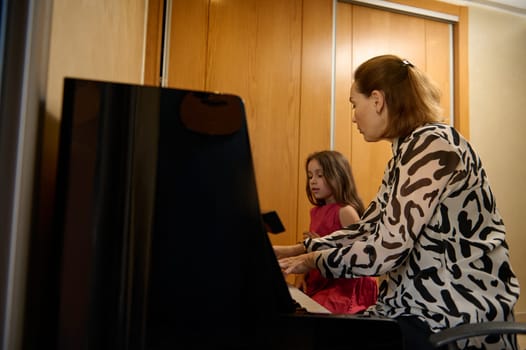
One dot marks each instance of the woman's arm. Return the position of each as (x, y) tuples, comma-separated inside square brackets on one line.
[(407, 202)]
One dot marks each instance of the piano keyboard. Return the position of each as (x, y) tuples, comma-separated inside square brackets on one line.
[(305, 302)]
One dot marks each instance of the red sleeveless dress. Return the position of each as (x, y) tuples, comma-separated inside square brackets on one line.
[(340, 295)]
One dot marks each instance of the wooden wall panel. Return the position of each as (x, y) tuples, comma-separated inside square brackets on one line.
[(253, 50), (95, 40), (276, 55), (438, 65), (316, 93), (460, 54), (187, 31), (343, 80)]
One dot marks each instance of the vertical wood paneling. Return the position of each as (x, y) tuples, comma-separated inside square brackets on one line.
[(254, 50), (343, 80), (187, 41), (461, 73), (316, 85), (232, 55), (95, 40), (438, 52)]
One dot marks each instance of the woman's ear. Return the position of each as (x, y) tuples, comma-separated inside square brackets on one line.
[(378, 99)]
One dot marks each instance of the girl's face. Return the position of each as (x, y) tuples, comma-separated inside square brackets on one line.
[(370, 114), (318, 183)]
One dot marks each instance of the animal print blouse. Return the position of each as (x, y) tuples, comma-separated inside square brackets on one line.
[(435, 231)]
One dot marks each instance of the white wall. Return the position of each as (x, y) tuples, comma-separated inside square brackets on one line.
[(497, 88)]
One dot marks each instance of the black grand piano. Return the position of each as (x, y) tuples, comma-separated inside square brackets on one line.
[(162, 244)]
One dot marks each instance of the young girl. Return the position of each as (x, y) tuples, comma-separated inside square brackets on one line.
[(331, 189)]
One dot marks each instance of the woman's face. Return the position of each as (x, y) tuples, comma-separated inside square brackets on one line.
[(370, 114)]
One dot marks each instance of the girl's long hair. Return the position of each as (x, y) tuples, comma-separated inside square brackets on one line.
[(338, 174)]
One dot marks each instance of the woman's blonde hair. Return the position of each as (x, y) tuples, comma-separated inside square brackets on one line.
[(411, 97), (337, 171)]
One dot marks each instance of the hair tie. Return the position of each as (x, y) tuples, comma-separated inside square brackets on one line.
[(406, 63)]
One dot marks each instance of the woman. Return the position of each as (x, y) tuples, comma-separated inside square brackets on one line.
[(433, 228)]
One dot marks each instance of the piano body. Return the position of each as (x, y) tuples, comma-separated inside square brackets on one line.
[(314, 327), (162, 244)]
